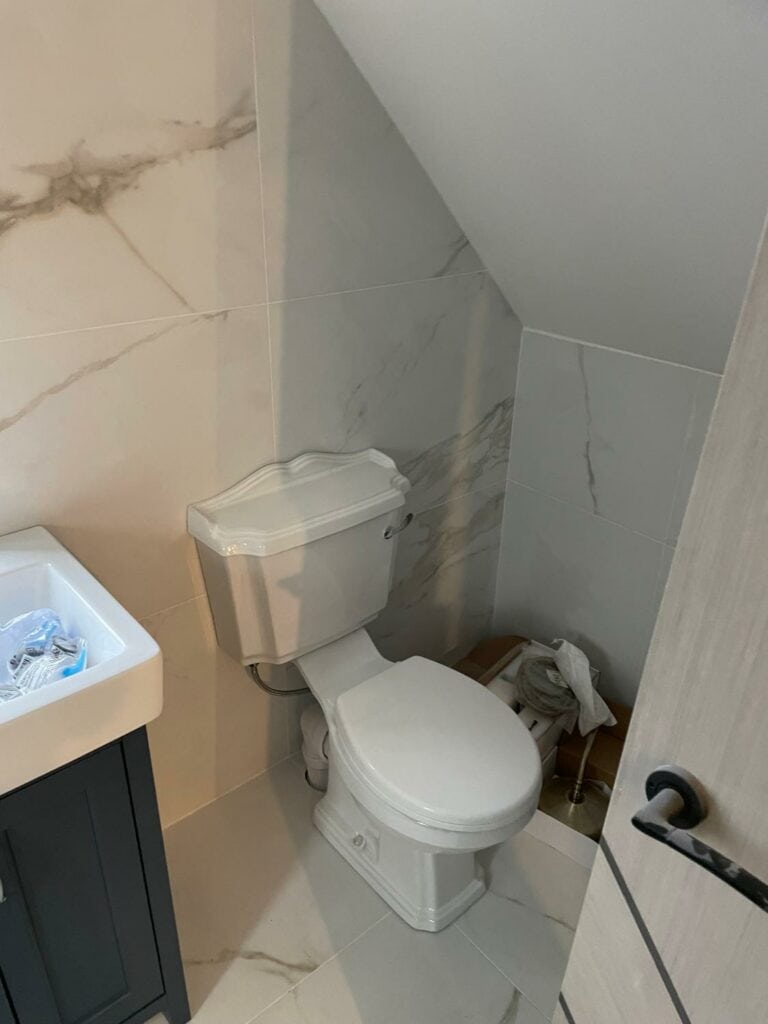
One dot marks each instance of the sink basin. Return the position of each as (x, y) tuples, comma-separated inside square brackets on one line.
[(121, 687)]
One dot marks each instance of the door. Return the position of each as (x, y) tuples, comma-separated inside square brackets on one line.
[(76, 939), (661, 939)]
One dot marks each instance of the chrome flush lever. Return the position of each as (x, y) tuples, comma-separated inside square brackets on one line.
[(391, 531), (678, 802)]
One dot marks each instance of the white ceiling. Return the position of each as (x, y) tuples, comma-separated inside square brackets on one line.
[(607, 158)]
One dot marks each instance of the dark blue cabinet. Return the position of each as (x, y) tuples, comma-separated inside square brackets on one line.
[(87, 934)]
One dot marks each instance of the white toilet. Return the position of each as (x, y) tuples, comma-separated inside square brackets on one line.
[(426, 766)]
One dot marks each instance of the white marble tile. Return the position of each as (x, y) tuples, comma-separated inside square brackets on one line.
[(531, 950), (565, 840), (106, 435), (347, 204), (394, 974), (424, 371), (608, 431), (566, 573), (531, 872), (261, 898), (129, 181), (217, 728), (526, 921), (698, 424), (445, 576)]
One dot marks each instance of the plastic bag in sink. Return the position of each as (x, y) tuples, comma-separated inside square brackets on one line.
[(35, 650)]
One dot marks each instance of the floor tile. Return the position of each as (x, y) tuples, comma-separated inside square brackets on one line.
[(538, 876), (525, 922), (395, 975), (261, 899)]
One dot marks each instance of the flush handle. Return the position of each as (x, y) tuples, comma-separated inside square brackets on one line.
[(392, 531), (677, 802)]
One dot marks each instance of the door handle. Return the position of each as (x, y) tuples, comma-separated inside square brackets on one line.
[(677, 802)]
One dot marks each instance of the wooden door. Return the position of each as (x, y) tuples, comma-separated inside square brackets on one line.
[(77, 944), (660, 939)]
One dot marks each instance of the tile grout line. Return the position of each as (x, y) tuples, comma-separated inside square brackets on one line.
[(588, 512), (199, 314), (496, 967), (169, 608), (488, 489), (622, 352), (338, 953), (270, 356), (376, 287), (216, 310), (228, 792)]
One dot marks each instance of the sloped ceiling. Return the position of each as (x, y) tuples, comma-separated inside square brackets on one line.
[(607, 158)]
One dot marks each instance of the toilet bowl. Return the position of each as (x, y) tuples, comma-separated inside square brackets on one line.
[(426, 767)]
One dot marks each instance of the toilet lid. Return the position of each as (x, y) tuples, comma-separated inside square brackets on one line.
[(438, 747)]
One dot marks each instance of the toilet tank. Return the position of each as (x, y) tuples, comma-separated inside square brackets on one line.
[(299, 553)]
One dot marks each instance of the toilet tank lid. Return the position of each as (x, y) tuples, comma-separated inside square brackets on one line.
[(287, 504)]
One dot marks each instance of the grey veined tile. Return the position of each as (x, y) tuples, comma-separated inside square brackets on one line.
[(529, 872), (395, 975), (347, 204), (566, 573), (441, 601), (608, 431), (114, 431), (216, 728), (262, 899), (424, 371), (525, 922), (137, 195)]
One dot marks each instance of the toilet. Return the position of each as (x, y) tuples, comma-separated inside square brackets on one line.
[(426, 767)]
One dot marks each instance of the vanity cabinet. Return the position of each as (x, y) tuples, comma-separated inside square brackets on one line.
[(87, 932)]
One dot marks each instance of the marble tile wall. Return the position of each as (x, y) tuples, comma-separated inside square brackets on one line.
[(215, 250), (604, 449)]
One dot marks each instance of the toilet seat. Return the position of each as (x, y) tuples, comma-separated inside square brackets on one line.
[(438, 748)]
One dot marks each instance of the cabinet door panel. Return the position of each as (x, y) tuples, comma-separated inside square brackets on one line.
[(74, 871)]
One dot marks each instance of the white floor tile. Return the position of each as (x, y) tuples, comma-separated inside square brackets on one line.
[(275, 925), (525, 922), (567, 841), (538, 876), (261, 899), (394, 975)]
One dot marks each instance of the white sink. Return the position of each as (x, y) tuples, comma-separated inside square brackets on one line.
[(121, 687)]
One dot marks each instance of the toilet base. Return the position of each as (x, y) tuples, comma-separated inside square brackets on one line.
[(427, 889)]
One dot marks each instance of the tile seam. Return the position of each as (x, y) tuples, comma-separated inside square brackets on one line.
[(623, 352), (589, 513), (320, 967)]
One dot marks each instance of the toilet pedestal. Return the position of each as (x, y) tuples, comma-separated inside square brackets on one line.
[(428, 889)]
